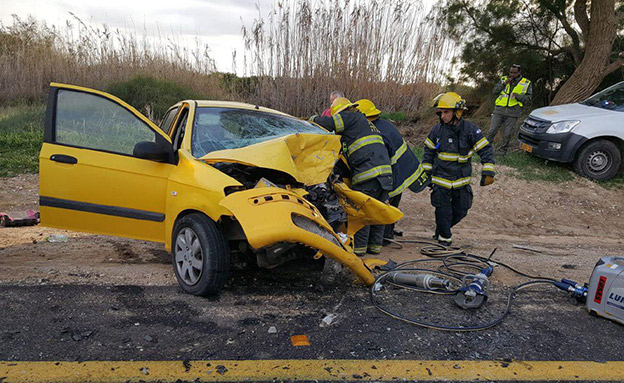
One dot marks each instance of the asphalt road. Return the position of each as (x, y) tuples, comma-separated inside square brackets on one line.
[(87, 323)]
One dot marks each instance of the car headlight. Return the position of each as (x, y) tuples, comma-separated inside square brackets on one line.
[(562, 126)]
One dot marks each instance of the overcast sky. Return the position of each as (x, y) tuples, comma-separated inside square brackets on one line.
[(216, 22)]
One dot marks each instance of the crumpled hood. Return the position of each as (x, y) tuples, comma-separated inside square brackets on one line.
[(567, 112), (309, 158)]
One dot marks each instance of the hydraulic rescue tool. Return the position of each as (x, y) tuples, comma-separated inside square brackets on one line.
[(466, 276), (474, 290), (605, 292)]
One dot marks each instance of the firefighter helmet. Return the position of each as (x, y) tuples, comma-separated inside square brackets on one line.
[(340, 104), (450, 100), (368, 108)]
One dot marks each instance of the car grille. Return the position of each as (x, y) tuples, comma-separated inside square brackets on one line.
[(535, 125), (527, 139)]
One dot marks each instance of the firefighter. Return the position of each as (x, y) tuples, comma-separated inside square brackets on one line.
[(448, 152), (406, 169), (368, 161)]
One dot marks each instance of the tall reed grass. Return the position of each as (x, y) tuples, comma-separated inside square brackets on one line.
[(387, 50), (32, 54)]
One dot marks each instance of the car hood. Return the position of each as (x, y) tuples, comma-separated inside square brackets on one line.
[(568, 112), (309, 158)]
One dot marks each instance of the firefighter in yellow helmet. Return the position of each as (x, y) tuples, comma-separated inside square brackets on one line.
[(368, 161), (406, 169), (448, 152)]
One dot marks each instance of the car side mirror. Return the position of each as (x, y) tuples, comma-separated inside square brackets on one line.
[(149, 150)]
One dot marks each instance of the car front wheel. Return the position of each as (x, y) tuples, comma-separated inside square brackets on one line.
[(200, 255), (600, 160)]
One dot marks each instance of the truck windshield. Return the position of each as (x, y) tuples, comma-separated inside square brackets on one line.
[(611, 98), (229, 128)]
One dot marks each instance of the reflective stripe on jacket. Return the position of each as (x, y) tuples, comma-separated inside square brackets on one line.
[(363, 146), (521, 88), (406, 169), (449, 150)]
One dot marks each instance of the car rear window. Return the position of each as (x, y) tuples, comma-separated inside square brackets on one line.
[(228, 128)]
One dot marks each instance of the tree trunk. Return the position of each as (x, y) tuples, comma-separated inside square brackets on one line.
[(598, 47)]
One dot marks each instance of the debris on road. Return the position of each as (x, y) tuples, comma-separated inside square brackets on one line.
[(327, 320), (300, 340), (272, 330), (56, 238), (27, 218), (522, 247)]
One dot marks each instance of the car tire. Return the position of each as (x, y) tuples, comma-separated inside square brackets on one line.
[(200, 255), (600, 160)]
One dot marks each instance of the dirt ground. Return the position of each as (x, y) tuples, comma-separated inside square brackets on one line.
[(570, 225)]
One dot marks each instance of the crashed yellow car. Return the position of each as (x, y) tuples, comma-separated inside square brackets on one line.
[(215, 180)]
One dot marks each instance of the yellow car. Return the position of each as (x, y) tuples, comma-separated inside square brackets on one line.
[(215, 180)]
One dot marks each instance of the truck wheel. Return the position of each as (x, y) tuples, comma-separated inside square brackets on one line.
[(200, 255), (600, 160)]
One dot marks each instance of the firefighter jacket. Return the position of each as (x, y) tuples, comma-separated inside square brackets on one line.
[(448, 153), (406, 169), (362, 145), (512, 106)]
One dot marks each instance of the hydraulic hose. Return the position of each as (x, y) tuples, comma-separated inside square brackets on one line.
[(454, 264)]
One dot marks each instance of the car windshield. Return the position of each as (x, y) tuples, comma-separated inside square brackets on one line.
[(229, 128), (611, 98)]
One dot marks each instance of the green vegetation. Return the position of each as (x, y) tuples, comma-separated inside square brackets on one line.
[(150, 95), (532, 168), (394, 116), (21, 135), (495, 34)]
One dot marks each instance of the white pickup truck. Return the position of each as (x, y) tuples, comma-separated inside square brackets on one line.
[(590, 133)]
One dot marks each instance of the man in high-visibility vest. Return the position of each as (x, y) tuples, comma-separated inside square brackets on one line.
[(514, 92), (448, 152), (368, 160)]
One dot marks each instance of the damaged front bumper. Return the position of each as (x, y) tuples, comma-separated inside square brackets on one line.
[(274, 215)]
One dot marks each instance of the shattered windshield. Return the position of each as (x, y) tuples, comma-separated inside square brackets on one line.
[(229, 128), (611, 98)]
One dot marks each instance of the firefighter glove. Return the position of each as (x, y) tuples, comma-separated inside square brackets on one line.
[(486, 180)]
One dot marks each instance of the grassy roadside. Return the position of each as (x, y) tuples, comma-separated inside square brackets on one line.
[(531, 168), (21, 135)]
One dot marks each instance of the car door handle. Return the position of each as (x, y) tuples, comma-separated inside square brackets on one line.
[(64, 159)]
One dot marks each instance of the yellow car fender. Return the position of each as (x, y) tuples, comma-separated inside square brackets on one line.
[(271, 215), (364, 210)]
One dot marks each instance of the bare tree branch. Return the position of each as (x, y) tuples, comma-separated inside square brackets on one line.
[(580, 15), (619, 63), (576, 44)]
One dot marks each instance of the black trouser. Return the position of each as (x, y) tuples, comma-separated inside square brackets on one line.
[(389, 229), (370, 237), (451, 206)]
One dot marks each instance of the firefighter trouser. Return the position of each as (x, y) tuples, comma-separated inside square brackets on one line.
[(389, 229), (507, 123), (451, 206), (370, 238)]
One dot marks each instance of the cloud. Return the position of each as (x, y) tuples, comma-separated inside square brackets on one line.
[(215, 22)]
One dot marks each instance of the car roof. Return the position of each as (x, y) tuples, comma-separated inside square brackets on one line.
[(235, 105)]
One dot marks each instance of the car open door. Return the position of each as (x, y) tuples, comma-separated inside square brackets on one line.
[(93, 175)]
